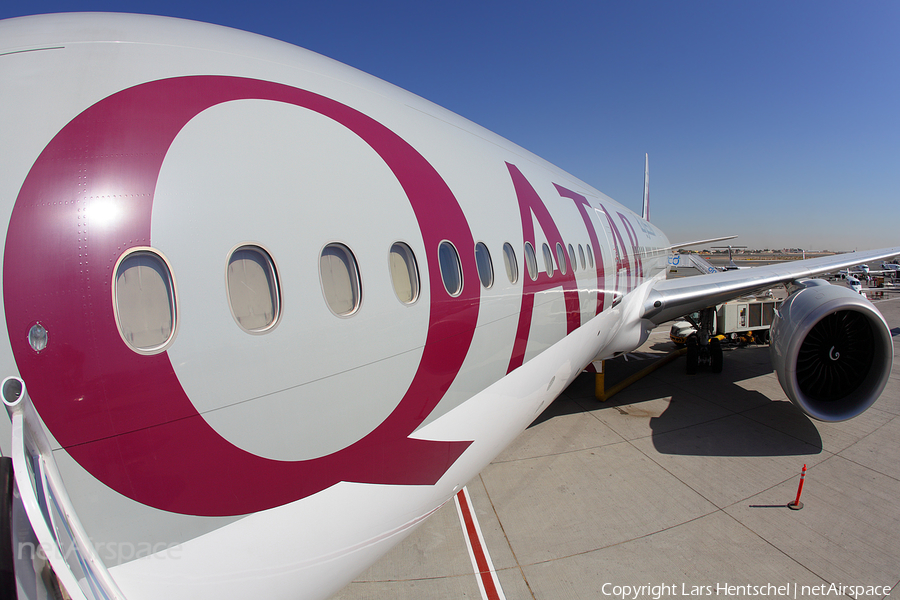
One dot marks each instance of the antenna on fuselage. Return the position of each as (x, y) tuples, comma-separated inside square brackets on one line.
[(646, 212)]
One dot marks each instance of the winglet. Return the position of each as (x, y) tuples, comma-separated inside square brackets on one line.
[(646, 212)]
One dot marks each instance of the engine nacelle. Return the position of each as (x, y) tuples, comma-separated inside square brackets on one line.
[(831, 349)]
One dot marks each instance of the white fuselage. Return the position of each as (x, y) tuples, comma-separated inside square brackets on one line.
[(281, 459)]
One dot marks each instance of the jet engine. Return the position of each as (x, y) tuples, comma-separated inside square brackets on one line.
[(832, 350)]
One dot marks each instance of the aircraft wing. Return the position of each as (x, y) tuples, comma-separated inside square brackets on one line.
[(672, 298)]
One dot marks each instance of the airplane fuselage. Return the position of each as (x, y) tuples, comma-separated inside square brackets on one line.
[(260, 298)]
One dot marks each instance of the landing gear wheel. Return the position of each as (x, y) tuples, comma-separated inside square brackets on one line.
[(693, 356), (715, 356)]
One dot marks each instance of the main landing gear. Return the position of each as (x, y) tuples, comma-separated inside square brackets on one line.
[(701, 350)]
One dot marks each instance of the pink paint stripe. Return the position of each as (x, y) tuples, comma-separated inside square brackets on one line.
[(478, 548)]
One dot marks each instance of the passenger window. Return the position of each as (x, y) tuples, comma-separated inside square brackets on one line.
[(581, 255), (340, 279), (145, 302), (404, 273), (561, 258), (590, 256), (572, 258), (253, 291), (451, 271), (509, 259), (485, 267), (548, 260), (531, 261)]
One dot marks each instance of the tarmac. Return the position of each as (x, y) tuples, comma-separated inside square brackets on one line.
[(677, 486)]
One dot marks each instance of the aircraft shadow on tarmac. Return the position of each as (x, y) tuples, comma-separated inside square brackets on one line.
[(699, 415)]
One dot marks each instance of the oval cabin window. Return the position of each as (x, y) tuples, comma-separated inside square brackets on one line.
[(404, 273), (145, 302), (509, 260), (451, 271), (548, 260), (561, 258), (253, 290), (484, 264), (340, 279), (531, 261)]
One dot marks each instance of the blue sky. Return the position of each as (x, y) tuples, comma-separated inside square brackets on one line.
[(777, 121)]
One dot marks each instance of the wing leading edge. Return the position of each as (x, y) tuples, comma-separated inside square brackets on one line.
[(672, 298)]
